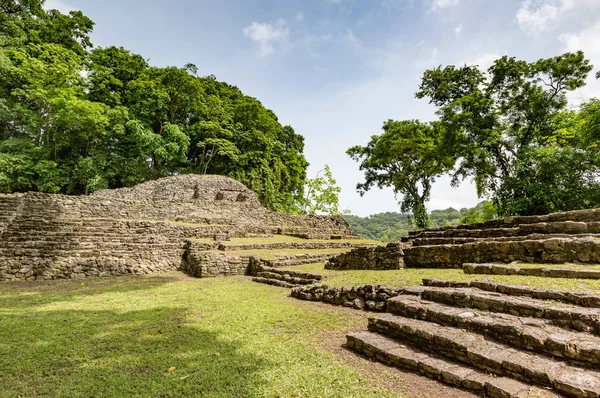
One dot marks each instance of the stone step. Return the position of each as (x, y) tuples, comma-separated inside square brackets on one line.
[(474, 350), (531, 334), (294, 273), (580, 298), (435, 241), (273, 282), (496, 269), (407, 358), (563, 315), (286, 278)]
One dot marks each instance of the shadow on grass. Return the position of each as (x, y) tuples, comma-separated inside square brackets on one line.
[(47, 292), (107, 353)]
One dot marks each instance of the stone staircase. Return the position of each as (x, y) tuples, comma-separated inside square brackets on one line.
[(555, 238), (518, 343), (284, 278)]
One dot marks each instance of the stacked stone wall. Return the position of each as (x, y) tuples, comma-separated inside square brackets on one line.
[(388, 257), (555, 250)]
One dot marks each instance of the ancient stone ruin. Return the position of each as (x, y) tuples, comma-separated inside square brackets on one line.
[(174, 223), (493, 339)]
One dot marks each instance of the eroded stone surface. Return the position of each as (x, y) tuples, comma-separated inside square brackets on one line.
[(388, 257), (395, 354), (532, 334), (581, 298), (496, 269), (486, 355), (564, 315)]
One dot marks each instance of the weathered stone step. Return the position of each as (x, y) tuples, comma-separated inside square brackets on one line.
[(436, 241), (580, 298), (273, 282), (525, 333), (557, 227), (563, 315), (294, 273), (400, 356), (473, 350), (286, 278), (496, 269)]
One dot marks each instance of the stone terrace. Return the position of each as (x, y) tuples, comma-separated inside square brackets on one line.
[(554, 238), (144, 229)]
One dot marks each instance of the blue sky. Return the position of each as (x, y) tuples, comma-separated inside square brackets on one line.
[(335, 70)]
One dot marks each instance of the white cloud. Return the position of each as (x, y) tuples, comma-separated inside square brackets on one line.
[(537, 16), (439, 5), (300, 16), (458, 30), (58, 5), (534, 16), (586, 40), (265, 35)]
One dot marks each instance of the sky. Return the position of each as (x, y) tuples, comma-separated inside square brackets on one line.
[(335, 70)]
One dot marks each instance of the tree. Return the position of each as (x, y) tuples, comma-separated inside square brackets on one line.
[(494, 122), (408, 157), (74, 119), (484, 211), (322, 194)]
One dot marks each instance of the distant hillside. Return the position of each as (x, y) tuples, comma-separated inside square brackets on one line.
[(391, 226)]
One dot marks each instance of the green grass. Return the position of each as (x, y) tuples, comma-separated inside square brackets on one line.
[(119, 337), (414, 276), (268, 254)]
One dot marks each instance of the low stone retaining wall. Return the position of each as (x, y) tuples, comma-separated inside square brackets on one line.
[(494, 269), (206, 264), (556, 250), (367, 297), (388, 257)]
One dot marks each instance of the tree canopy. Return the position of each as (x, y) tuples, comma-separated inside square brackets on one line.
[(407, 157), (509, 130), (75, 119)]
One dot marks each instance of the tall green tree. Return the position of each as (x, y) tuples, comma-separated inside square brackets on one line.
[(322, 194), (496, 122), (407, 157)]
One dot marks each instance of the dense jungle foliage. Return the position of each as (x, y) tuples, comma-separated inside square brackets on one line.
[(75, 118)]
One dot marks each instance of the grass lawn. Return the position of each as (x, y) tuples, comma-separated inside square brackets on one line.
[(413, 276), (172, 335)]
